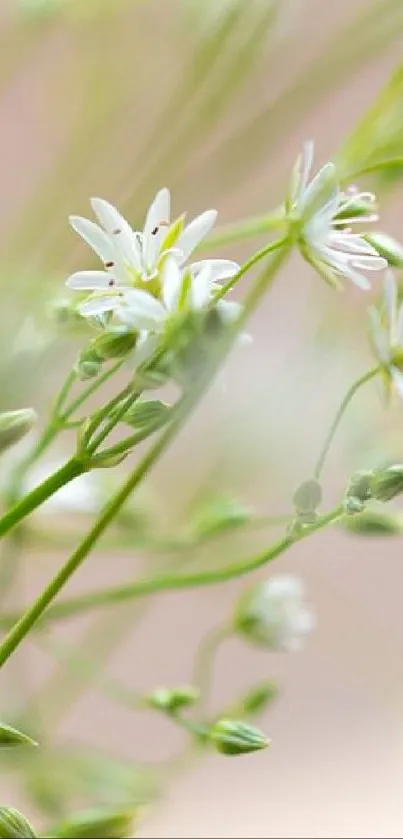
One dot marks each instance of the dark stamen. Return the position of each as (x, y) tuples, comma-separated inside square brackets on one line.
[(116, 232), (109, 264), (154, 231), (111, 282)]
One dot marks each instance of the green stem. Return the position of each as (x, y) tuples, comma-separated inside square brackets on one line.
[(63, 394), (40, 494), (123, 406), (245, 229), (339, 416), (26, 623), (372, 168), (90, 389), (173, 582), (257, 257)]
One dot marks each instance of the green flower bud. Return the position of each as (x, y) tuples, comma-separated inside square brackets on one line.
[(10, 737), (147, 412), (307, 498), (114, 344), (236, 738), (169, 701), (387, 247), (96, 823), (258, 698), (14, 425), (353, 506), (360, 486), (374, 523), (387, 483), (88, 369), (13, 825)]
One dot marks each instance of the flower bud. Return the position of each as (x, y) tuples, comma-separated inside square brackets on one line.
[(147, 412), (307, 499), (389, 248), (10, 737), (274, 615), (236, 738), (359, 489), (13, 825), (96, 823), (169, 701), (374, 523), (258, 698), (387, 483), (114, 344), (14, 425), (88, 369)]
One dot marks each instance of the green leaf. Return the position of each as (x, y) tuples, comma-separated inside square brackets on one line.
[(10, 737)]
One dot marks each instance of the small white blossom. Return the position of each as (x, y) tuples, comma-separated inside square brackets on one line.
[(275, 614), (387, 333), (133, 260), (324, 214)]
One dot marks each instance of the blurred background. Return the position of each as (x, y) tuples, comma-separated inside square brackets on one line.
[(212, 98)]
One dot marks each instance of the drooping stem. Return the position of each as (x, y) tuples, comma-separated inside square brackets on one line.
[(339, 416), (173, 582), (204, 661), (25, 624)]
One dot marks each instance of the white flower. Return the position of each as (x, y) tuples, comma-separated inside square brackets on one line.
[(387, 333), (133, 260), (275, 615), (323, 214), (181, 290)]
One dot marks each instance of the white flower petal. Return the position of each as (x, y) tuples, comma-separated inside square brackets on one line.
[(118, 229), (98, 305), (94, 236), (143, 310), (221, 269), (195, 232), (200, 292), (323, 183), (171, 284), (378, 334), (90, 281), (159, 211)]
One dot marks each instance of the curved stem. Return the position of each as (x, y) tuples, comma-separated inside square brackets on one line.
[(257, 257), (173, 582), (372, 168), (339, 416)]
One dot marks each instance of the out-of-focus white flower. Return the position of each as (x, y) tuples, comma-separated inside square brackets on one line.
[(275, 615), (82, 495), (134, 260), (386, 331), (323, 214)]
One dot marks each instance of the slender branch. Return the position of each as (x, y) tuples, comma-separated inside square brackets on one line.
[(203, 666), (40, 494), (174, 582), (244, 229), (339, 416)]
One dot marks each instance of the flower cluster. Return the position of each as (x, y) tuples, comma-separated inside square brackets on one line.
[(147, 278)]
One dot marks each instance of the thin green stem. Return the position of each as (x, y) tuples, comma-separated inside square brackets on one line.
[(339, 416), (244, 229), (27, 621), (90, 389), (257, 257), (123, 406), (174, 582), (40, 494), (63, 394)]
